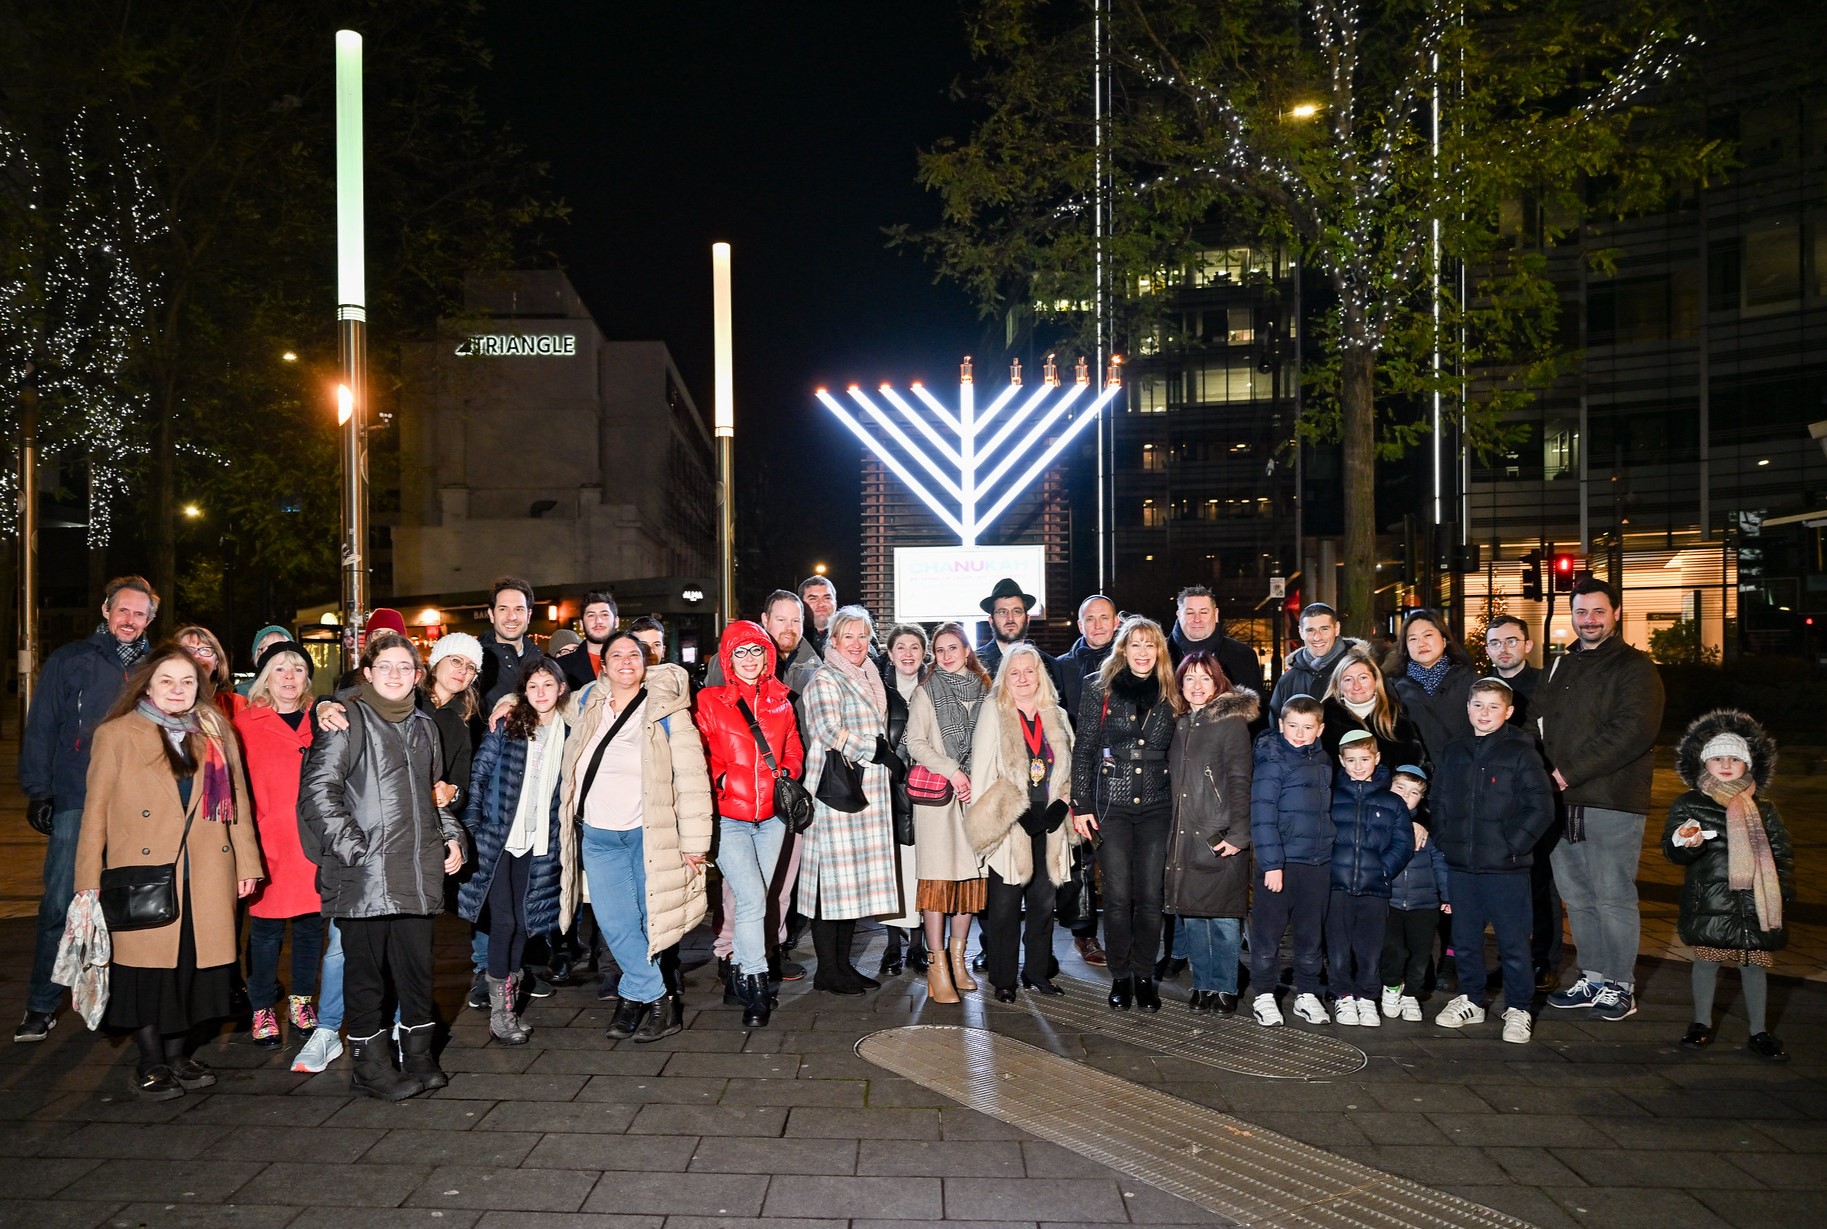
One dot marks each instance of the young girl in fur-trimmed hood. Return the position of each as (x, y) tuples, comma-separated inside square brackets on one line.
[(1740, 866)]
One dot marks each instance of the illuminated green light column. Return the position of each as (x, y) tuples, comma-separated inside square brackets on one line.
[(352, 339)]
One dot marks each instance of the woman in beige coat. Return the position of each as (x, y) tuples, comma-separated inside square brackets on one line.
[(165, 785), (940, 721), (1021, 784), (635, 820)]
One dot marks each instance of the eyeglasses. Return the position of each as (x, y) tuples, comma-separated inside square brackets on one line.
[(1507, 643), (394, 667), (463, 664), (747, 650), (200, 650)]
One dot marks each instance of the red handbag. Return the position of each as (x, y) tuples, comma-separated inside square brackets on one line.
[(927, 787)]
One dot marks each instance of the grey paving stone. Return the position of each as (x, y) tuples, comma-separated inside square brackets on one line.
[(819, 1123), (61, 1214), (893, 1092), (665, 1194), (731, 1066), (895, 1198), (645, 1089), (386, 1218), (1517, 1130), (199, 1181), (488, 1059), (1382, 1127), (1526, 1203), (1573, 1096), (44, 1177), (34, 1138), (803, 1041), (950, 1158), (171, 1141), (772, 1156), (763, 1222), (523, 1190), (598, 1062), (1050, 1199), (557, 1116), (208, 1216), (659, 1153), (566, 1220), (1150, 1205), (1797, 1136), (1432, 1165), (263, 1111), (1636, 1208), (1320, 1130), (1247, 1096), (369, 1186), (481, 1086), (1654, 1168), (1762, 1209), (841, 1066), (1534, 1167), (845, 1093), (1044, 1160), (1713, 1103), (1689, 1133), (113, 1107), (709, 1121), (949, 1223), (1800, 1171), (419, 1114), (956, 1122), (496, 1149), (328, 1144)]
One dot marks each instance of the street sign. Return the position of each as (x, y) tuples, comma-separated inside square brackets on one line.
[(1278, 587)]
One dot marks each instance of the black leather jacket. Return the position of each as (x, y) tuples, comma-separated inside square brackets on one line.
[(1120, 757)]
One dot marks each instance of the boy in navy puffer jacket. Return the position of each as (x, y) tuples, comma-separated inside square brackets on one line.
[(1291, 826), (1374, 839), (1417, 898)]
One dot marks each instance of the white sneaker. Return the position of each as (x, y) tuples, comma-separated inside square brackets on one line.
[(1345, 1011), (1266, 1012), (1392, 1001), (321, 1048), (1367, 1014), (1411, 1007), (1517, 1026), (1309, 1008), (1459, 1013)]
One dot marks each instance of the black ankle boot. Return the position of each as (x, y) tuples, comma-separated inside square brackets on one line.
[(892, 964), (372, 1072), (1122, 992), (830, 976), (760, 1001), (1148, 997), (664, 1018), (732, 986), (846, 940), (628, 1017)]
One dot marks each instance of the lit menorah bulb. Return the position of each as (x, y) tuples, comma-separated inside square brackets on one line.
[(1049, 372), (1081, 370), (1114, 377), (1015, 373), (964, 370)]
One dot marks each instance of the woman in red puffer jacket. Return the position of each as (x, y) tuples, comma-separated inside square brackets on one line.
[(750, 836)]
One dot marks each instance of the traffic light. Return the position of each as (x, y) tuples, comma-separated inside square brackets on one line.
[(1565, 569), (1532, 577)]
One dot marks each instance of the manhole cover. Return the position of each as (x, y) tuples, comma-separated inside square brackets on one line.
[(1233, 1043), (1221, 1163)]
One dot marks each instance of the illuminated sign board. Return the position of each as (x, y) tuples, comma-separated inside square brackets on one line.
[(518, 345), (934, 584)]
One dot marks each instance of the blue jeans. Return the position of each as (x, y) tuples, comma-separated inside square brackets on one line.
[(330, 984), (747, 854), (264, 937), (1500, 899), (53, 907), (616, 869), (1212, 945)]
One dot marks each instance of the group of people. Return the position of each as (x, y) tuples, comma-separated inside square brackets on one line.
[(835, 773)]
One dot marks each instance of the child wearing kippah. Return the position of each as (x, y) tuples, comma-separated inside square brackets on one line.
[(1740, 867), (1418, 897)]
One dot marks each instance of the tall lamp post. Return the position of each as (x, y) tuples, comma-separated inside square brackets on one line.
[(725, 424), (28, 541), (352, 339)]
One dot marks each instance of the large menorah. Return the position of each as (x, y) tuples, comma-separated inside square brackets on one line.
[(972, 470)]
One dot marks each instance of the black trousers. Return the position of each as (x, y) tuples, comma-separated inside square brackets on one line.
[(1132, 857), (1354, 943), (377, 950), (507, 914), (1408, 948), (1301, 904), (1006, 936), (1501, 900)]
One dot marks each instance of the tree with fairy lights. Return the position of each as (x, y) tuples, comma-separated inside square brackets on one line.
[(1388, 143)]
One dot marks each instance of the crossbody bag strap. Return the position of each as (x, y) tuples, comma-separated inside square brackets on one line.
[(185, 839), (761, 740), (596, 761)]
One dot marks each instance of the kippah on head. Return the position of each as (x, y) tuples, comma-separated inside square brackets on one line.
[(1356, 737)]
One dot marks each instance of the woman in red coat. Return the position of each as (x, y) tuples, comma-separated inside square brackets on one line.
[(275, 730), (750, 836)]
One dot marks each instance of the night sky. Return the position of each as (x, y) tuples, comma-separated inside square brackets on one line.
[(790, 130)]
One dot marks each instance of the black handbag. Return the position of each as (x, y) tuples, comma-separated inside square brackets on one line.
[(840, 786), (142, 897), (792, 801), (1075, 906)]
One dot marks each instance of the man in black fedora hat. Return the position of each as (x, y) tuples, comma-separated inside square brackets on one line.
[(1008, 608)]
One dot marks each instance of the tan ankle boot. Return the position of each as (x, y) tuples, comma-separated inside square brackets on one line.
[(961, 964), (939, 988)]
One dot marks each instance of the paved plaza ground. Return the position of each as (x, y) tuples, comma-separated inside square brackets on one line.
[(787, 1128)]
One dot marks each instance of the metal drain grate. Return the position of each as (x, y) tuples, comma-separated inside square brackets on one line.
[(1224, 1165), (1231, 1043)]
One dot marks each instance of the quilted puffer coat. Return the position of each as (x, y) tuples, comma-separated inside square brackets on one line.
[(1374, 837), (1210, 773), (1137, 728), (740, 776), (496, 779), (1290, 803)]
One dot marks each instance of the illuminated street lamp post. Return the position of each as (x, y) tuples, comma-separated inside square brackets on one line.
[(352, 339), (725, 423)]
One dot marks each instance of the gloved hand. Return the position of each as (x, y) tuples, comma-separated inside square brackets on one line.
[(885, 756), (1033, 821), (38, 813), (1056, 814)]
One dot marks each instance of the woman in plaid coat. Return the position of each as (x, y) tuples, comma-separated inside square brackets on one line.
[(848, 868)]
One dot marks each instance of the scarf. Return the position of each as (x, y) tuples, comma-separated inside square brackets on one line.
[(952, 694), (1749, 863), (1360, 711), (865, 678), (218, 794), (394, 711), (1430, 677), (129, 652)]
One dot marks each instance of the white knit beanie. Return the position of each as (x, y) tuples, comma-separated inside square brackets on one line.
[(456, 644), (1727, 744)]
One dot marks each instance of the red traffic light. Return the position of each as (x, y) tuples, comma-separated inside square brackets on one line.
[(1565, 566)]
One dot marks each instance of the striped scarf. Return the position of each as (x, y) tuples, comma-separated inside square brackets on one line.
[(1750, 865), (218, 794), (952, 694)]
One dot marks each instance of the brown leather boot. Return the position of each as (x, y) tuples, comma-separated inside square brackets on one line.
[(961, 964), (939, 988)]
